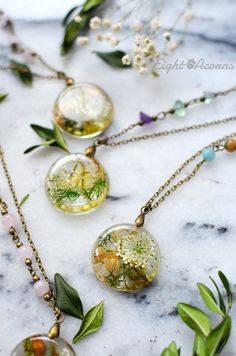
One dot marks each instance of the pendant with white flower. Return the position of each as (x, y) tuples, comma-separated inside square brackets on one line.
[(126, 257)]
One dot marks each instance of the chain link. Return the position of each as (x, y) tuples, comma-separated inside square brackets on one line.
[(163, 192), (52, 301)]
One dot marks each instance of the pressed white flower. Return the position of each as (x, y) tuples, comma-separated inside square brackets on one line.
[(126, 60), (138, 40), (137, 251), (166, 35), (78, 18), (142, 70), (155, 24), (171, 45), (147, 40), (100, 37), (116, 27), (114, 42), (95, 23), (188, 15), (106, 22), (136, 26), (138, 58), (82, 40)]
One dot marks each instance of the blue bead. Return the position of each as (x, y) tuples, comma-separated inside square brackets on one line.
[(208, 154)]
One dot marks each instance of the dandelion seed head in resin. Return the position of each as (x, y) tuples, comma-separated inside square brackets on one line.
[(76, 184), (83, 110), (125, 257)]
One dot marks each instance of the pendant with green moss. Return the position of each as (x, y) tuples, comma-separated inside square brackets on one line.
[(76, 184), (126, 257)]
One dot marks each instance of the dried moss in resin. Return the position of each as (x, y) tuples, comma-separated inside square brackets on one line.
[(76, 184), (125, 257), (83, 110), (41, 345)]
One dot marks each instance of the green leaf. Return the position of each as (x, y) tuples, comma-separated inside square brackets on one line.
[(72, 31), (43, 132), (59, 138), (73, 28), (22, 71), (218, 338), (3, 96), (24, 199), (221, 300), (226, 284), (195, 318), (91, 323), (167, 352), (199, 347), (68, 15), (32, 148), (114, 58), (67, 298), (209, 299), (173, 348), (91, 4)]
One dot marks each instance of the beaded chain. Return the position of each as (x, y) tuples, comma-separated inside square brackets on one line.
[(18, 48), (42, 287), (207, 154)]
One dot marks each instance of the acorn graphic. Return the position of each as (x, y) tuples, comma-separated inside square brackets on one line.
[(191, 63)]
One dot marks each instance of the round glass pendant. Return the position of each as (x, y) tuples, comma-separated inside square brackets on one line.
[(125, 257), (83, 110), (42, 345), (76, 183)]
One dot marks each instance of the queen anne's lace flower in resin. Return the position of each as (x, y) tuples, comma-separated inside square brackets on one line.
[(126, 257)]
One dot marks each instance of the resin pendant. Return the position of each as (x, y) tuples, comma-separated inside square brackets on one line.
[(83, 110), (42, 345), (76, 183), (126, 257)]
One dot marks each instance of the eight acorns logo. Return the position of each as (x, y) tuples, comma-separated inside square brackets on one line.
[(191, 63)]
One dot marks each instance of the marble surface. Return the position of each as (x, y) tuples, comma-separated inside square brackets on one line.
[(195, 227)]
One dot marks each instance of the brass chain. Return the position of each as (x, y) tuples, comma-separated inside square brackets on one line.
[(111, 140), (18, 48), (52, 299), (163, 192), (169, 132)]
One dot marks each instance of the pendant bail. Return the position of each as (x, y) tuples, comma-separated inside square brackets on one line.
[(54, 331), (90, 151), (139, 221)]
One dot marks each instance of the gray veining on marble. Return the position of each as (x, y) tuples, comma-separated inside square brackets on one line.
[(201, 238)]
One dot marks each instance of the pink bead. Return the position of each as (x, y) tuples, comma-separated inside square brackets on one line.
[(41, 288), (25, 252), (3, 20), (28, 55), (9, 221)]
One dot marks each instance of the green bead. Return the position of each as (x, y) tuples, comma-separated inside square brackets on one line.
[(179, 107), (178, 104), (208, 95)]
